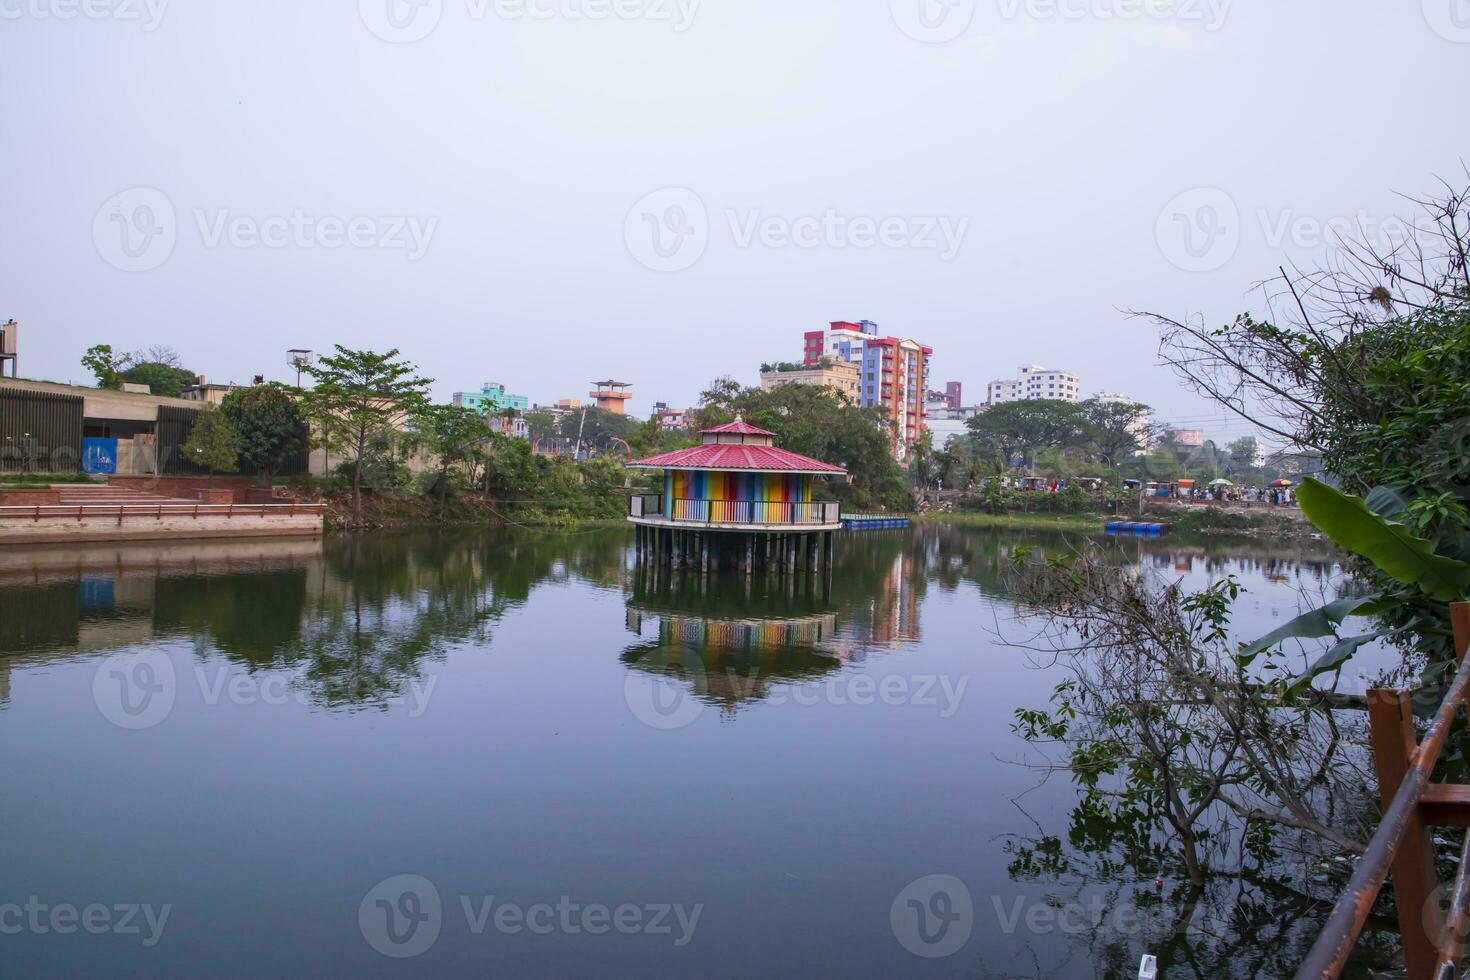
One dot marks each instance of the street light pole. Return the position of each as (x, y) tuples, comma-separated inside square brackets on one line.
[(300, 358)]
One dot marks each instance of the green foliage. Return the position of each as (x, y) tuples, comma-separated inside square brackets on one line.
[(1112, 429), (456, 438), (211, 443), (359, 399), (1392, 547), (1016, 428), (168, 380), (106, 366), (269, 427)]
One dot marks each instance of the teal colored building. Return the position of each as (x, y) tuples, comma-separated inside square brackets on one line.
[(491, 399)]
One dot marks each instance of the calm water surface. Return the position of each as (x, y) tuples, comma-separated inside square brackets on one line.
[(585, 770)]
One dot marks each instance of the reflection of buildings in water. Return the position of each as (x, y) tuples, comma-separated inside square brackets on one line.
[(4, 681), (106, 596), (1279, 565), (890, 613), (730, 661)]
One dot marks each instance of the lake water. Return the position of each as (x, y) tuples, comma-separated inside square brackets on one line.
[(505, 753)]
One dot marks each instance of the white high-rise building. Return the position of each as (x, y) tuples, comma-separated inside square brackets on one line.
[(1035, 381)]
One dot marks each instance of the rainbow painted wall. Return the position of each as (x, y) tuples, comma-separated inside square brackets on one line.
[(707, 485)]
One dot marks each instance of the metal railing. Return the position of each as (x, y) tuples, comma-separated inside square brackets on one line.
[(758, 512), (121, 512), (1433, 938)]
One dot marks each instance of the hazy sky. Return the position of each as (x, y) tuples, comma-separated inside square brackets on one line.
[(547, 192)]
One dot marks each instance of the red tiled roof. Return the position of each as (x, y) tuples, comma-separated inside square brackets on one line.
[(724, 457), (739, 427)]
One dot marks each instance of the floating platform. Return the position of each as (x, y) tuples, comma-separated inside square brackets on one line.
[(872, 522), (1146, 528)]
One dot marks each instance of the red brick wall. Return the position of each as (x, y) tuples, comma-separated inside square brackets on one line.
[(30, 497), (183, 487)]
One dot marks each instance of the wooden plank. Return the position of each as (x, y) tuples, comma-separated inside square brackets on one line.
[(1391, 719)]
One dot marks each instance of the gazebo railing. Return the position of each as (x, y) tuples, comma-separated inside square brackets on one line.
[(754, 512)]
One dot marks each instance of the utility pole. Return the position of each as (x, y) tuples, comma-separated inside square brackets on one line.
[(577, 450)]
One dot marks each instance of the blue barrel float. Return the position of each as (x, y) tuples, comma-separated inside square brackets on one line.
[(1144, 528), (872, 522)]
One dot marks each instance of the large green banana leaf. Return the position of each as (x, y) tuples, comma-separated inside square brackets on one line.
[(1396, 550)]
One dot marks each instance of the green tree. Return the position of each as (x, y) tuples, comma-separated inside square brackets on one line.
[(1114, 428), (360, 398), (1363, 374), (106, 366), (162, 379), (211, 444), (456, 438), (1020, 427), (269, 428), (542, 425), (1243, 454)]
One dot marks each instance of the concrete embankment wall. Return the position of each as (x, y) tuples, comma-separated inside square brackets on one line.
[(52, 529)]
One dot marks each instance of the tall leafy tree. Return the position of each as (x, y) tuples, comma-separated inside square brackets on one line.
[(1115, 429), (105, 365), (269, 428), (456, 438), (211, 444), (359, 399), (1026, 426)]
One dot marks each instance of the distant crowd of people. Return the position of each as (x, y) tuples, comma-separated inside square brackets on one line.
[(1274, 496)]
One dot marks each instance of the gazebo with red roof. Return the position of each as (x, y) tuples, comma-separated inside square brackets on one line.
[(736, 482)]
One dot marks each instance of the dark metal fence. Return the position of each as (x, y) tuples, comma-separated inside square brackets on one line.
[(40, 431), (174, 426)]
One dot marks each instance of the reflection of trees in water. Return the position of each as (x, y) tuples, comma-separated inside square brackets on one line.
[(1133, 895), (359, 622), (955, 554)]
